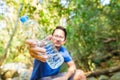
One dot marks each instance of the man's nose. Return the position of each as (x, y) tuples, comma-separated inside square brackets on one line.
[(57, 38)]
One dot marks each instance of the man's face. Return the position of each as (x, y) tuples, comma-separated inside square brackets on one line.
[(58, 37)]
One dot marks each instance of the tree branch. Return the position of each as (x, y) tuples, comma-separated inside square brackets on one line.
[(104, 72)]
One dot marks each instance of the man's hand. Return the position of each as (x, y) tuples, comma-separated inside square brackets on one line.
[(38, 53), (36, 48), (35, 51), (31, 43)]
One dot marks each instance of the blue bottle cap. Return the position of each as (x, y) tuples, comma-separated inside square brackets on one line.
[(24, 18)]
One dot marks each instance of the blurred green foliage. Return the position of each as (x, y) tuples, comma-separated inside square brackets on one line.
[(93, 31)]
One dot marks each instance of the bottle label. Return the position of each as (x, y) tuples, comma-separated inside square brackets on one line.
[(55, 58)]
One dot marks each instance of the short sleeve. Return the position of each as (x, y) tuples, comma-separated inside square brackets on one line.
[(67, 56)]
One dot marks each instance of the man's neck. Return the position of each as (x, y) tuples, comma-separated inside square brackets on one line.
[(58, 48)]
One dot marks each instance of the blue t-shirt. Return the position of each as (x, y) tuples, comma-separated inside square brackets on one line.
[(42, 69)]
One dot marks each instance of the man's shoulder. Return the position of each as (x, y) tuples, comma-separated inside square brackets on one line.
[(65, 51), (63, 48)]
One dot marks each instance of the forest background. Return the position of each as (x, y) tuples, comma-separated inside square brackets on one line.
[(93, 30)]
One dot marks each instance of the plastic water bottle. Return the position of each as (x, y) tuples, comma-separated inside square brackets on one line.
[(54, 57)]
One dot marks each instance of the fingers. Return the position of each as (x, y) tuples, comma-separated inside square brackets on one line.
[(37, 49), (49, 37), (30, 41), (38, 57)]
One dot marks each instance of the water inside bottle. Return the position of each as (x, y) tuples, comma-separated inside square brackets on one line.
[(55, 58)]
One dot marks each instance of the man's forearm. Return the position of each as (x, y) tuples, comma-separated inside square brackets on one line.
[(70, 72)]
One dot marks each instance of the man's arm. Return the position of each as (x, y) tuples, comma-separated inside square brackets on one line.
[(71, 69), (69, 73)]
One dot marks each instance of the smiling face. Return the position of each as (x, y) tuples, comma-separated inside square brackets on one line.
[(58, 38)]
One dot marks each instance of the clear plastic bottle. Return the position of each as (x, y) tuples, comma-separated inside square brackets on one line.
[(54, 57), (31, 28)]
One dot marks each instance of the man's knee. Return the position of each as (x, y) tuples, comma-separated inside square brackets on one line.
[(79, 75)]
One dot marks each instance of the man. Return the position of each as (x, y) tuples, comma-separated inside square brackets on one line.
[(42, 71)]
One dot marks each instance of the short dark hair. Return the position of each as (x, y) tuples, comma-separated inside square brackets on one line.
[(61, 28)]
